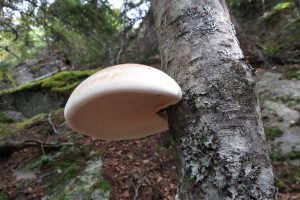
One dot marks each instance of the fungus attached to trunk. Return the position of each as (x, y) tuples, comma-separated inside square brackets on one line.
[(122, 102)]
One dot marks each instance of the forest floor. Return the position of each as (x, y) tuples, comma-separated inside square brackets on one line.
[(136, 169), (79, 167)]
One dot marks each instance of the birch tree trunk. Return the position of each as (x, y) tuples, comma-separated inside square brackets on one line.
[(217, 126)]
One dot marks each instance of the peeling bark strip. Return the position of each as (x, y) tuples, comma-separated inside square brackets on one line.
[(217, 126)]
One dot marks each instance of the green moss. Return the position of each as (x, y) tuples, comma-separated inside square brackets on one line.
[(10, 129), (292, 73), (66, 81), (63, 82), (272, 132), (283, 5), (103, 185), (6, 130), (272, 47), (30, 121)]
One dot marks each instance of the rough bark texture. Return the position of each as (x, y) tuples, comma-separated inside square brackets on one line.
[(217, 126)]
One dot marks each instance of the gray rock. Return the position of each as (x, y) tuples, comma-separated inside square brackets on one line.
[(13, 116), (63, 128), (35, 70), (22, 74), (31, 103), (279, 100), (84, 186), (24, 174), (21, 196)]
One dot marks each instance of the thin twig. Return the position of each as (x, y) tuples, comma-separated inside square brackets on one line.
[(138, 187), (42, 147), (51, 123), (140, 183)]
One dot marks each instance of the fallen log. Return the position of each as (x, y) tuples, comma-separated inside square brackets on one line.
[(7, 148)]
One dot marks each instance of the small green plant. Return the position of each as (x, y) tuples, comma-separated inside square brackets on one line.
[(272, 132), (103, 185), (98, 154)]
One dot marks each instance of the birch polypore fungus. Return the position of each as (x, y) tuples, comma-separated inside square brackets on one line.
[(122, 102)]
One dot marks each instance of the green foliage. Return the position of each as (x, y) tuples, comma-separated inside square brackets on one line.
[(272, 132), (6, 76), (281, 185), (233, 3), (277, 156), (3, 195), (84, 30), (43, 160), (286, 177), (272, 48)]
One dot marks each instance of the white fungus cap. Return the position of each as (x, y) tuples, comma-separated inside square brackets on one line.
[(122, 102)]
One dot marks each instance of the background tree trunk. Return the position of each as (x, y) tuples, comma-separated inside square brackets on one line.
[(217, 126), (297, 3)]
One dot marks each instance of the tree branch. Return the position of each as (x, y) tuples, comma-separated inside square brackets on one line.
[(7, 148)]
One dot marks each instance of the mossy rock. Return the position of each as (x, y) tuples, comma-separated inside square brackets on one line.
[(43, 95), (40, 121), (61, 82)]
